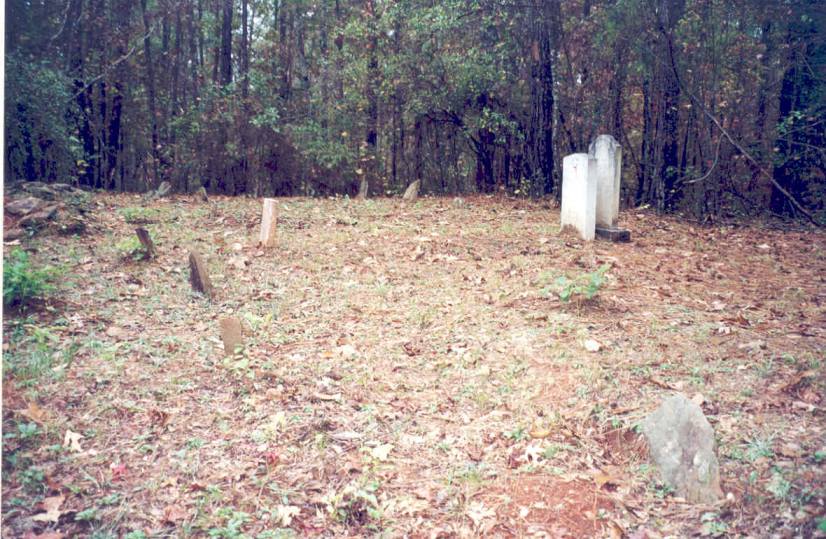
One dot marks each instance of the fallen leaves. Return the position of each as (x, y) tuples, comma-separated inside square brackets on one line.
[(174, 514), (51, 506), (118, 470), (285, 514), (71, 441), (34, 413), (591, 345), (479, 513), (381, 452)]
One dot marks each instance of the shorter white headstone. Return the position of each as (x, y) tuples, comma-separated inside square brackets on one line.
[(608, 154), (579, 194), (269, 219)]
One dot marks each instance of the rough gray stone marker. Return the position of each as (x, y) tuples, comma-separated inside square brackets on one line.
[(163, 189), (146, 241), (412, 191), (231, 334), (681, 442), (198, 276), (579, 193)]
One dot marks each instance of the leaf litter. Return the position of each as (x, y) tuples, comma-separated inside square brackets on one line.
[(411, 370)]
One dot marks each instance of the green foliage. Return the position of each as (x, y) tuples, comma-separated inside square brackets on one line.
[(88, 515), (518, 434), (584, 286), (779, 486), (712, 526), (131, 248), (234, 522), (138, 215), (21, 282), (759, 448), (322, 146), (40, 139), (33, 480), (355, 504), (34, 352), (27, 431)]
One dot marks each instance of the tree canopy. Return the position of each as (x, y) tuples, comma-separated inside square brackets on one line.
[(719, 105)]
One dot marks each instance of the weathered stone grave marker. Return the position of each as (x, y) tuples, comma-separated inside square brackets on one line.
[(412, 191), (146, 241), (681, 443), (608, 155), (198, 276), (163, 189), (269, 220), (231, 334), (579, 192)]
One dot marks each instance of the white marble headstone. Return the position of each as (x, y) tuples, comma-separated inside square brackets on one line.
[(608, 155), (579, 192)]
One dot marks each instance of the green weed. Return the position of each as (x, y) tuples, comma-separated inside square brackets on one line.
[(22, 282), (234, 522), (131, 248), (138, 215), (582, 287)]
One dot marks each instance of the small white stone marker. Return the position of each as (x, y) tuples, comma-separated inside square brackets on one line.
[(608, 155), (269, 220), (579, 194)]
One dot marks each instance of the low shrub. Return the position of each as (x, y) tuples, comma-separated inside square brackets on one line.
[(22, 282)]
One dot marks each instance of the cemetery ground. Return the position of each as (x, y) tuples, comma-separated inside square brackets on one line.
[(409, 369)]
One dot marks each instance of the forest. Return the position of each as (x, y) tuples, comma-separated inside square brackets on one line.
[(719, 104), (343, 268)]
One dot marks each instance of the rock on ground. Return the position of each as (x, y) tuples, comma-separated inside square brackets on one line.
[(681, 443), (44, 207)]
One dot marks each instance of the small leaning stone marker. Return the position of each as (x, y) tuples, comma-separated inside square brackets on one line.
[(681, 443), (412, 191), (146, 241), (231, 334), (269, 220), (198, 276)]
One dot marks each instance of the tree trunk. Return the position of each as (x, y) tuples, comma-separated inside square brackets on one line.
[(540, 134), (226, 44), (150, 86), (370, 168)]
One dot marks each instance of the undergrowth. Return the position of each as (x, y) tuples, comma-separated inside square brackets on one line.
[(22, 282)]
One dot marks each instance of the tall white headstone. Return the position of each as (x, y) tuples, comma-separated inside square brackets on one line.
[(579, 193), (608, 155)]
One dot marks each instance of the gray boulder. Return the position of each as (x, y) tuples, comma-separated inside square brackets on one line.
[(681, 442)]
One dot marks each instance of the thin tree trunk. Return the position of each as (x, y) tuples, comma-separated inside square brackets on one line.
[(150, 86)]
